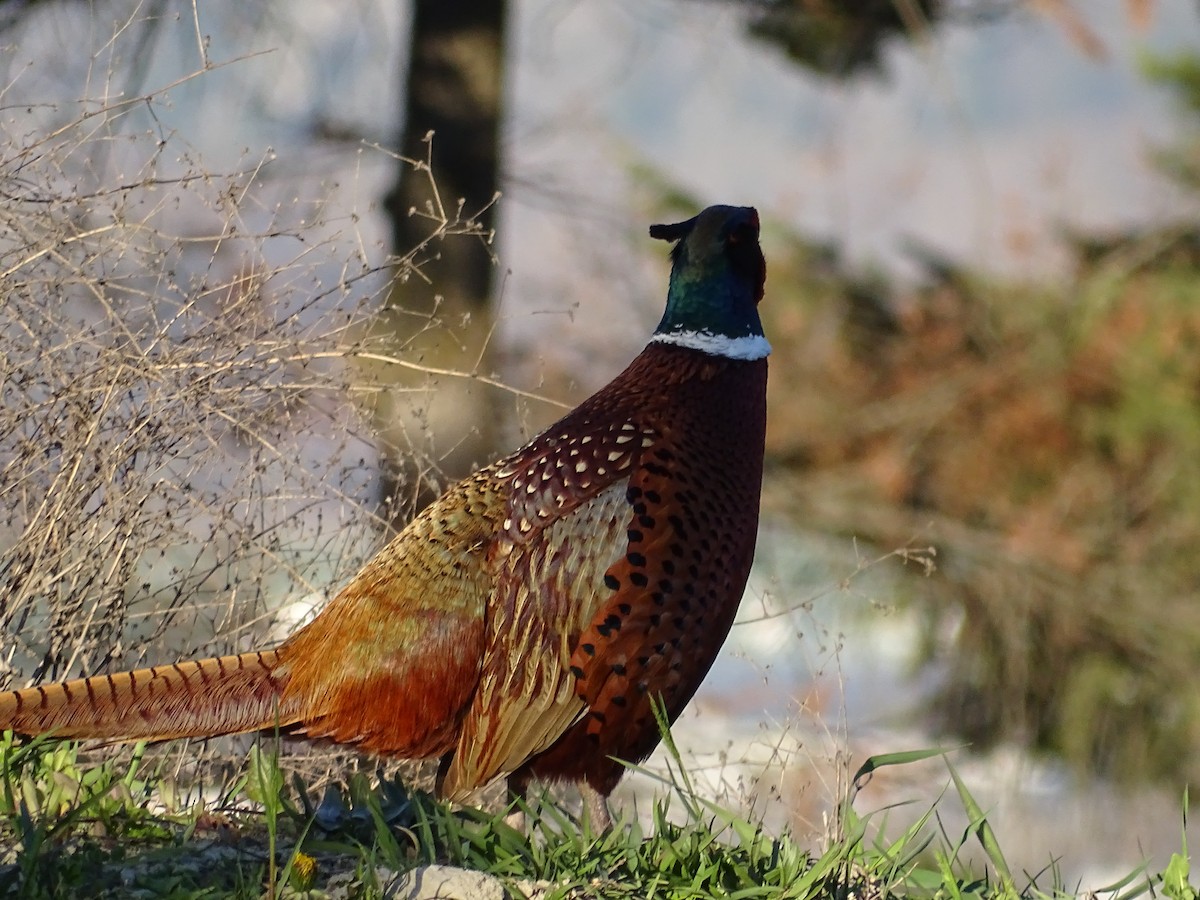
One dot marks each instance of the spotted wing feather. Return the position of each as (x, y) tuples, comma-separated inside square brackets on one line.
[(566, 525)]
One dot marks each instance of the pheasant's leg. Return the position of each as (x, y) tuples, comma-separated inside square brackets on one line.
[(596, 805), (518, 798), (440, 778)]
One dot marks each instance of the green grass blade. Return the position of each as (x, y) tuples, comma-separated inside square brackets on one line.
[(981, 828)]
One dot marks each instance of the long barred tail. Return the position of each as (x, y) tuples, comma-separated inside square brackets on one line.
[(197, 698)]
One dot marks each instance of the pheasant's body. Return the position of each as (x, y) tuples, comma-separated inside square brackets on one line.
[(526, 622)]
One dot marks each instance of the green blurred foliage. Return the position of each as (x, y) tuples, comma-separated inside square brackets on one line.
[(1179, 73), (838, 39)]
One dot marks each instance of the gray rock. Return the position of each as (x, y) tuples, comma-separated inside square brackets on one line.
[(444, 883)]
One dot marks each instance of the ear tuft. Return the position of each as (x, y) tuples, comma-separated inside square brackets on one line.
[(676, 232)]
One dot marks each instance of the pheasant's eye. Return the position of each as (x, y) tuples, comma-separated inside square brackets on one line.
[(742, 232)]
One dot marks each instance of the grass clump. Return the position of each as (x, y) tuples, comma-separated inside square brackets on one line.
[(73, 829)]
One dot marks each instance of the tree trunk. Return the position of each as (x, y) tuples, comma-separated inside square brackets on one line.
[(439, 429)]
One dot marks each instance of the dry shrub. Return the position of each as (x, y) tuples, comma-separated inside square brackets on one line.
[(189, 368)]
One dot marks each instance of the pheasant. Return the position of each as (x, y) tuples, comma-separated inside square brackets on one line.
[(527, 623)]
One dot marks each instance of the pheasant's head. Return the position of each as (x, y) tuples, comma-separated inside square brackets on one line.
[(717, 278)]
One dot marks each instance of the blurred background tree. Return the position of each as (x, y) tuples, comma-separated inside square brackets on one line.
[(438, 430)]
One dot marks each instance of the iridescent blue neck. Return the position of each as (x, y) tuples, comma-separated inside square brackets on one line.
[(712, 309)]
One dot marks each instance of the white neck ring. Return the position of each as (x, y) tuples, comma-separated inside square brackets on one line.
[(748, 347)]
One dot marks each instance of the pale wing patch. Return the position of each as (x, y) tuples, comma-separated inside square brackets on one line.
[(547, 592), (393, 661)]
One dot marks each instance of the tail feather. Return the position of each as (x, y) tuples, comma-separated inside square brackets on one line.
[(197, 698)]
